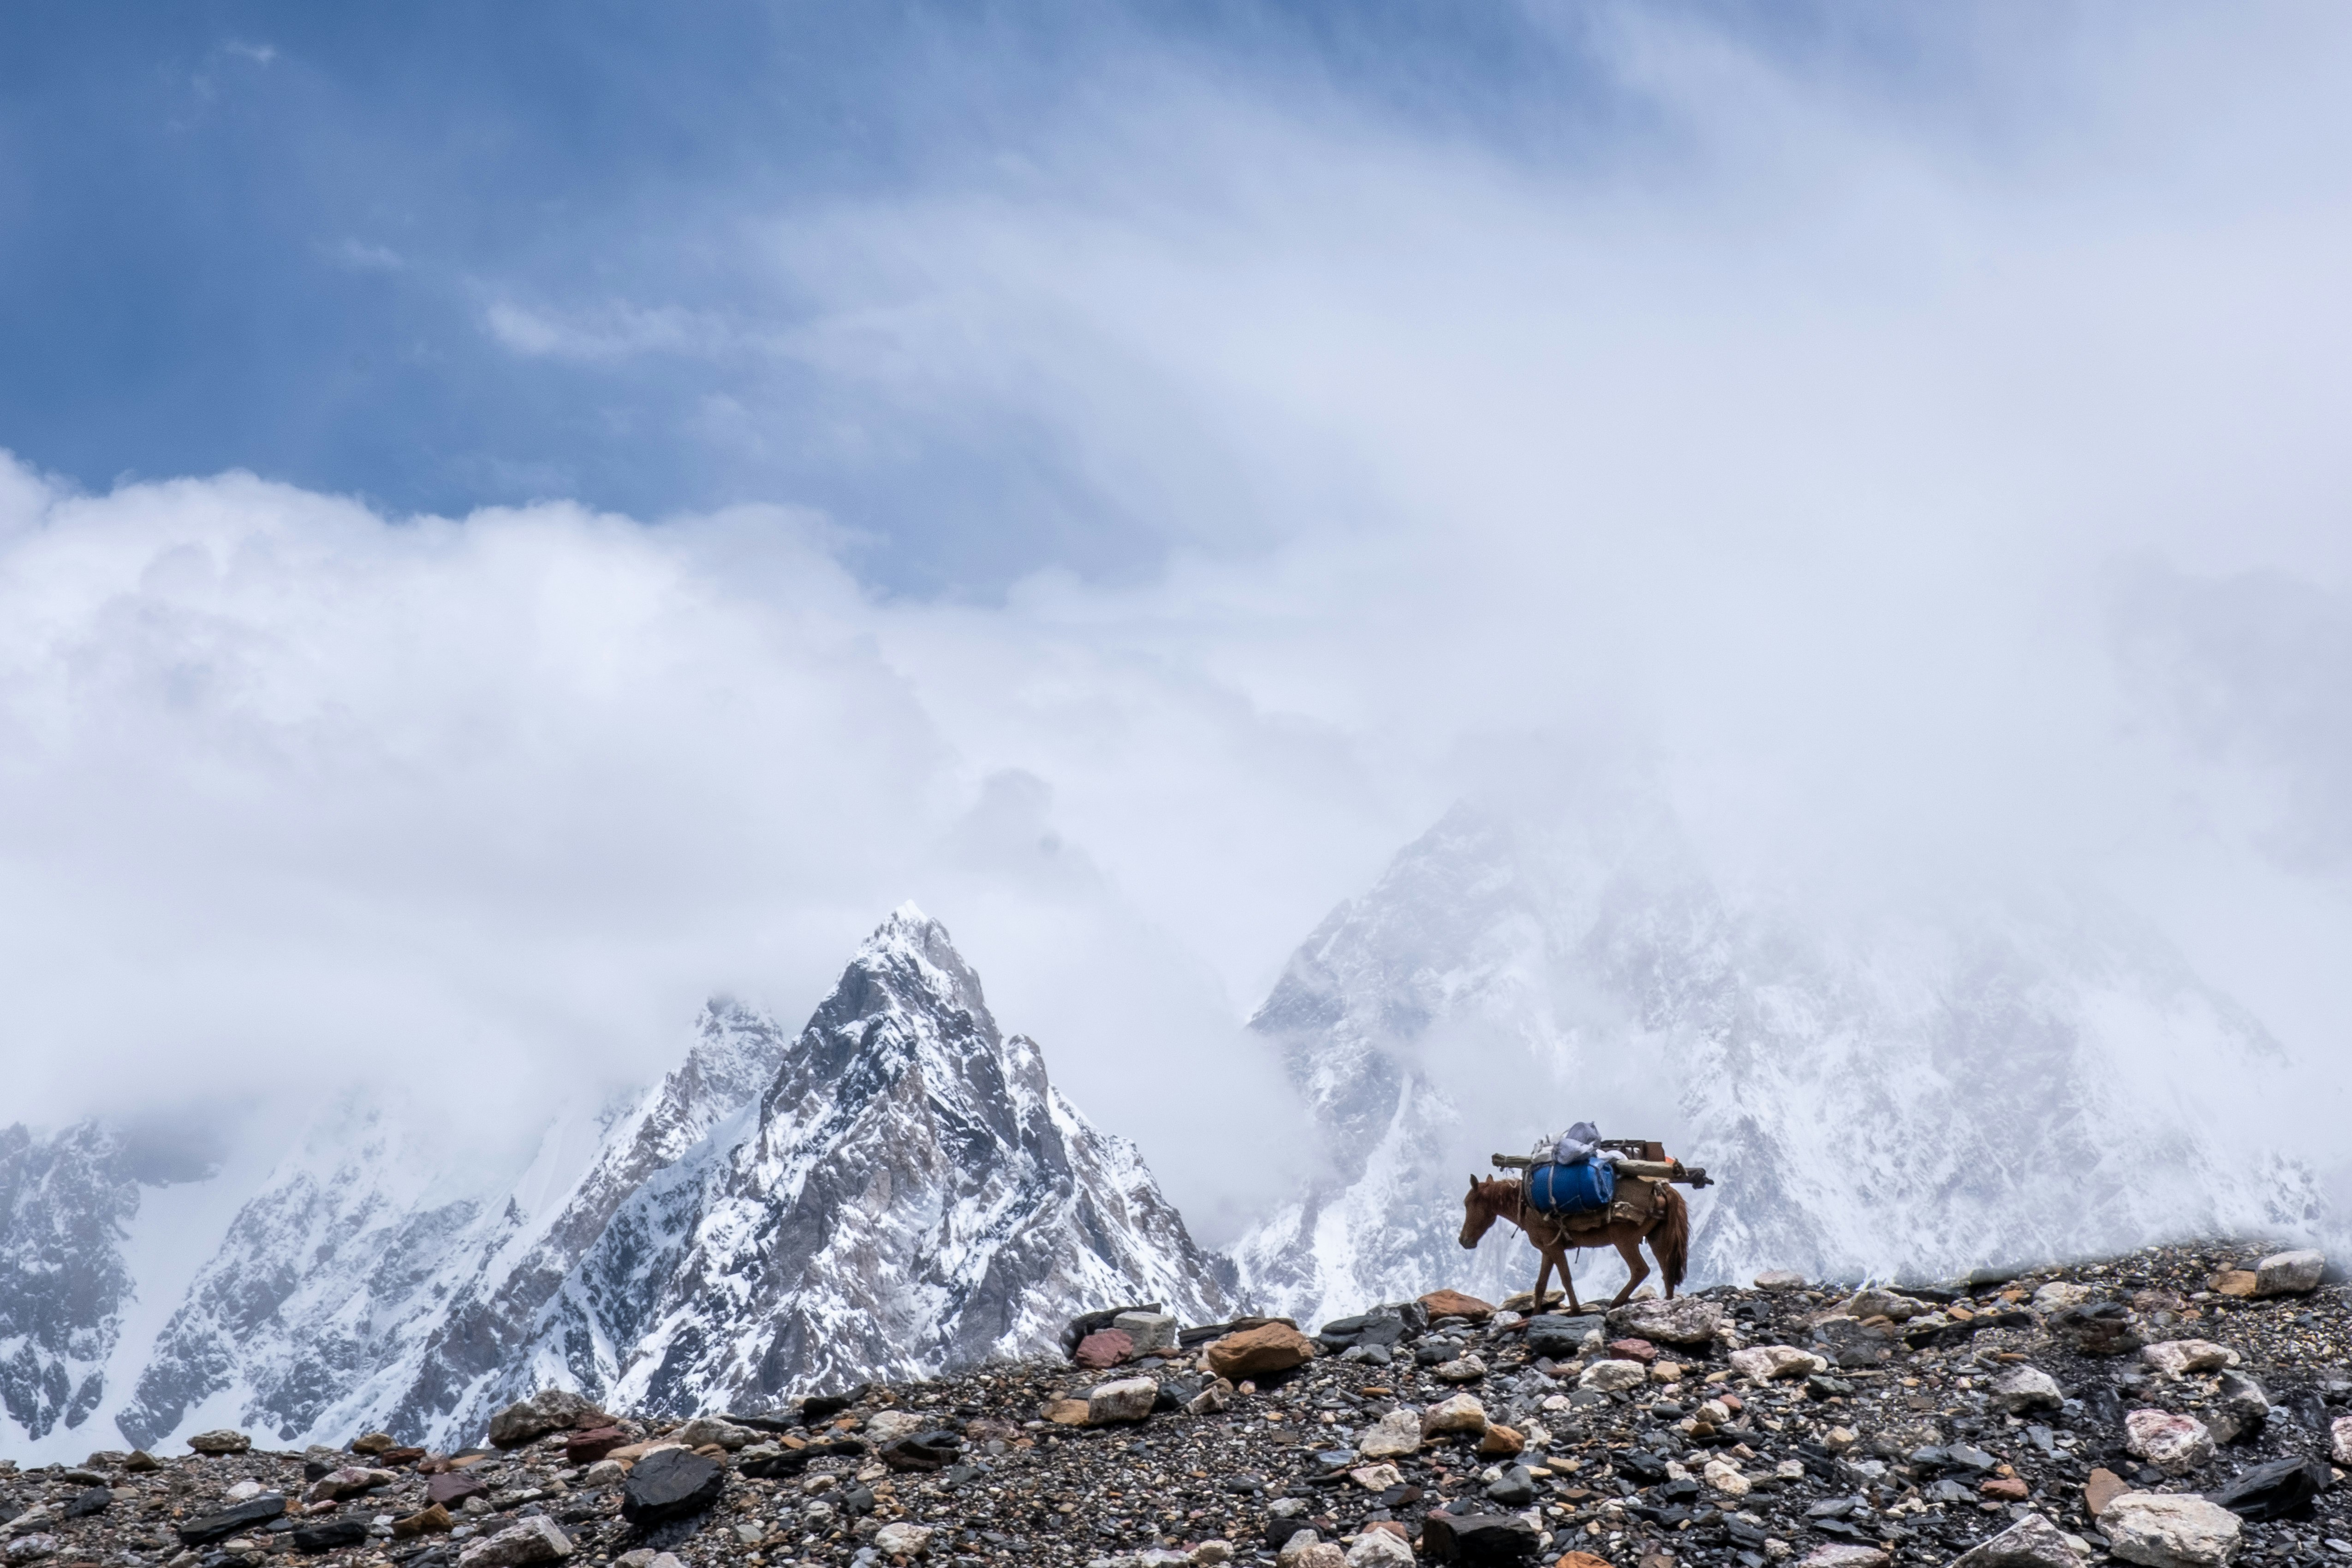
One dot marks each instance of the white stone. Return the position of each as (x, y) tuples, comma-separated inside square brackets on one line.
[(1613, 1376), (2026, 1388), (900, 1539), (1842, 1556), (889, 1425), (704, 1430), (1129, 1399), (1685, 1321), (1376, 1477), (2164, 1530), (1876, 1303), (2173, 1444), (1779, 1279), (1762, 1364), (535, 1540), (1210, 1552), (2056, 1296), (2031, 1542), (2289, 1273), (1460, 1413), (2339, 1439), (1393, 1437), (1151, 1331), (2180, 1358), (1296, 1548), (1724, 1477), (1379, 1549), (1463, 1369)]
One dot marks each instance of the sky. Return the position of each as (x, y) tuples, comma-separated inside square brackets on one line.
[(520, 518)]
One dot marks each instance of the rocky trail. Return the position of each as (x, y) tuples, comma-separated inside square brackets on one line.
[(2177, 1409)]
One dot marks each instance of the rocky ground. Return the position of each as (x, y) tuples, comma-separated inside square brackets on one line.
[(2064, 1415)]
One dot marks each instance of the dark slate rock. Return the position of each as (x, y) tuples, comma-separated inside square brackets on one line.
[(216, 1527), (921, 1451), (1515, 1488), (96, 1499), (2284, 1488), (670, 1484), (824, 1406), (1477, 1539), (330, 1535)]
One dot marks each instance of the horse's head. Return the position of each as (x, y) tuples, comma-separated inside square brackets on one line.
[(1479, 1210)]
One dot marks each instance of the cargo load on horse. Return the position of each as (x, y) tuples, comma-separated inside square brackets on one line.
[(1610, 1192)]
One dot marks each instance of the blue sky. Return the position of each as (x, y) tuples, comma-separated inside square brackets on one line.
[(272, 237)]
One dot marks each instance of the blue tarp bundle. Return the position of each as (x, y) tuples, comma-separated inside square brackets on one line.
[(1572, 1189)]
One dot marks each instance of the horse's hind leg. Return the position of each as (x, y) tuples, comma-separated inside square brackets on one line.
[(1543, 1273), (1568, 1279), (1629, 1248)]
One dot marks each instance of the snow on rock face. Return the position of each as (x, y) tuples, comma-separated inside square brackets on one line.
[(359, 1292), (1868, 1101), (909, 1192), (63, 1281)]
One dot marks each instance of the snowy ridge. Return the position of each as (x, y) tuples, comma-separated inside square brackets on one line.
[(2011, 1081), (64, 1284)]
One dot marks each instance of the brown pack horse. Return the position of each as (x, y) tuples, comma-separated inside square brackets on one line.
[(1668, 1234)]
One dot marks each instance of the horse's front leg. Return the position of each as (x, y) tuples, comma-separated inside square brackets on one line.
[(1568, 1277), (1543, 1274)]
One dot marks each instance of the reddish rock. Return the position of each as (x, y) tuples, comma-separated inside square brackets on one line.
[(1454, 1304), (587, 1447), (2103, 1487), (451, 1487), (1642, 1351), (1104, 1347), (2005, 1489), (1254, 1352)]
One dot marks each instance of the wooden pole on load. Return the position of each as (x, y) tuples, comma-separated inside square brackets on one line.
[(1651, 1170)]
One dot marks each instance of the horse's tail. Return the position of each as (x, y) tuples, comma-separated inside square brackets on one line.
[(1671, 1240)]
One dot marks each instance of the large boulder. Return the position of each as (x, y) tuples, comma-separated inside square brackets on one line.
[(2289, 1273), (2024, 1389), (1127, 1399), (2339, 1439), (1873, 1303), (1150, 1333), (451, 1487), (2184, 1358), (1477, 1539), (1104, 1348), (2163, 1530), (534, 1540), (1613, 1376), (1558, 1338), (2173, 1444), (1255, 1353), (2107, 1328), (1762, 1364), (1461, 1413), (349, 1480), (2031, 1542), (2284, 1488), (220, 1442), (670, 1483), (548, 1410), (1686, 1321), (704, 1430), (1454, 1304), (1851, 1342), (213, 1528), (1393, 1437)]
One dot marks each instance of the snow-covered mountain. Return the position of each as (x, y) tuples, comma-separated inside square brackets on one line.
[(897, 1189), (909, 1192), (1923, 1095)]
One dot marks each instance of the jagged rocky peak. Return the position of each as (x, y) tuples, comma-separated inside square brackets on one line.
[(912, 1194)]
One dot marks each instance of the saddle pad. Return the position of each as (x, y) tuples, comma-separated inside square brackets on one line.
[(1633, 1204), (1572, 1189)]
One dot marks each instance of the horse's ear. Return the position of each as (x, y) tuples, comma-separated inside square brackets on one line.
[(1474, 1181)]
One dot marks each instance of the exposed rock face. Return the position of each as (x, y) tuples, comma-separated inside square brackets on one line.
[(1507, 966), (909, 1192), (63, 1281)]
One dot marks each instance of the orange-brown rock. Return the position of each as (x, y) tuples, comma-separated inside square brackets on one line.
[(1499, 1441), (1065, 1412), (2102, 1487), (1586, 1560), (2242, 1282), (1252, 1352), (2005, 1489), (1454, 1304)]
